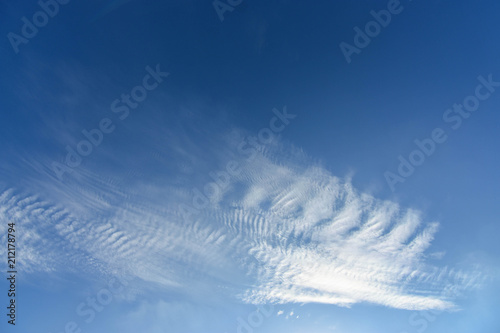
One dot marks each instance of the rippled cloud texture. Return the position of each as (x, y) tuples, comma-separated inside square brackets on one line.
[(283, 230)]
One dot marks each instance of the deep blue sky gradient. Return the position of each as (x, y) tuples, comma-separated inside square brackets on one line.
[(354, 119)]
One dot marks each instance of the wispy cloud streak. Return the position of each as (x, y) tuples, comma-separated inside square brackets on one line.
[(285, 230)]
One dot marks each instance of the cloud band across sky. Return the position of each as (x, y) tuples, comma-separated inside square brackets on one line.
[(284, 230)]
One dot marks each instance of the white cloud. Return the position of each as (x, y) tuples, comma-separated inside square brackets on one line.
[(285, 227)]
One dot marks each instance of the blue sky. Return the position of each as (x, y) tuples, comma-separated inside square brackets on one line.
[(243, 186)]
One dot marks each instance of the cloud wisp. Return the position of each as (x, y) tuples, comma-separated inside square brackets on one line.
[(284, 231), (311, 237)]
